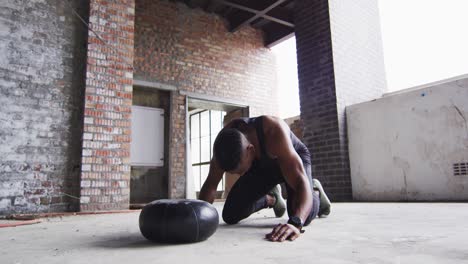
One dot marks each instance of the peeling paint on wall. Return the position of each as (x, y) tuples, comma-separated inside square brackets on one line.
[(42, 50)]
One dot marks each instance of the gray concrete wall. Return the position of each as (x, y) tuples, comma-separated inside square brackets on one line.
[(42, 55), (405, 146)]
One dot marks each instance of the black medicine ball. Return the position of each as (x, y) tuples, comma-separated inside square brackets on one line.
[(178, 221)]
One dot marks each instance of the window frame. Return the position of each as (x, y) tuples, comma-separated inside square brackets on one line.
[(200, 163)]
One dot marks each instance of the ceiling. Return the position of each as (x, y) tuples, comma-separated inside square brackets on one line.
[(273, 17)]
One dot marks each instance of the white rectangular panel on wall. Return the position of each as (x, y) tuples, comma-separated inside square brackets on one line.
[(147, 147)]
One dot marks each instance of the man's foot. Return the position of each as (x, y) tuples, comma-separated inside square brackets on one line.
[(280, 205), (325, 204)]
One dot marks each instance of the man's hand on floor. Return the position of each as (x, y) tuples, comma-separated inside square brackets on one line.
[(282, 232)]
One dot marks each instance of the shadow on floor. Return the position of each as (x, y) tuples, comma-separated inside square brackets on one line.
[(135, 240), (264, 222), (247, 225)]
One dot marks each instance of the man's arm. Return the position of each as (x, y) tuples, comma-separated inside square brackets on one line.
[(279, 144), (208, 190), (292, 170)]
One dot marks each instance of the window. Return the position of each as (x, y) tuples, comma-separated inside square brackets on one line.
[(204, 127)]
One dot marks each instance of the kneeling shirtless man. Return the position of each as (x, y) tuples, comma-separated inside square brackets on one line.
[(265, 152)]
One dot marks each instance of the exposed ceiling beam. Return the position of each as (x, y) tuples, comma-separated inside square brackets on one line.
[(236, 27), (279, 21), (256, 14), (283, 14)]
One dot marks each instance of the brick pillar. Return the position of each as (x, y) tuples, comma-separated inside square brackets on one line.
[(340, 62), (177, 141), (105, 176)]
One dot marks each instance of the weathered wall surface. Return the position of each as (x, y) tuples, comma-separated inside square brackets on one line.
[(42, 50), (194, 51), (42, 55), (411, 145)]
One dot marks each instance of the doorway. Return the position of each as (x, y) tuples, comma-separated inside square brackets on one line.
[(205, 120), (149, 172)]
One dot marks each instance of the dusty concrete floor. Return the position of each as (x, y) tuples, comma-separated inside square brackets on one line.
[(354, 233)]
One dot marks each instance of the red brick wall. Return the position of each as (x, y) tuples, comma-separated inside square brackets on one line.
[(105, 166), (194, 51)]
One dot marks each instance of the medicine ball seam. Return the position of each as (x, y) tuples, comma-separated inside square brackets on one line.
[(198, 224)]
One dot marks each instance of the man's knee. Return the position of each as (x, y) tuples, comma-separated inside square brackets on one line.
[(230, 218), (231, 211)]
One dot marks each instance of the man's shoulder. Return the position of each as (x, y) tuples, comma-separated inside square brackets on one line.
[(277, 136), (272, 124)]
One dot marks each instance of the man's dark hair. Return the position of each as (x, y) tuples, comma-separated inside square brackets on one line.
[(228, 148)]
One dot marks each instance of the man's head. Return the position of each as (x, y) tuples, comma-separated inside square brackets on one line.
[(233, 151)]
